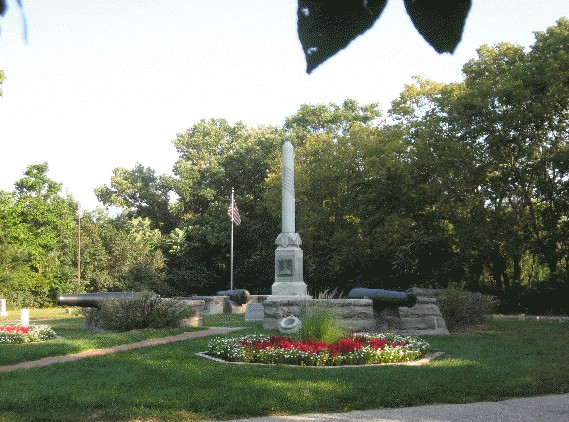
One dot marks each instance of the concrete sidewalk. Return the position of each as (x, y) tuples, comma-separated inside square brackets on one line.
[(552, 408)]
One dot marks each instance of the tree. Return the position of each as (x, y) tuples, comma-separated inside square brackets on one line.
[(504, 134), (142, 193), (2, 77), (333, 119), (330, 145), (121, 253), (38, 238), (214, 157)]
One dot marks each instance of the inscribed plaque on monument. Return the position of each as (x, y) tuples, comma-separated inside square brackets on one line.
[(285, 267)]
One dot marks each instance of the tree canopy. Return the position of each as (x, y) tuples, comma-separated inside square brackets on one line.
[(464, 183)]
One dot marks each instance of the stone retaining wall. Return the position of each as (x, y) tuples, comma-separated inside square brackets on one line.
[(197, 306), (223, 304), (354, 314), (424, 318)]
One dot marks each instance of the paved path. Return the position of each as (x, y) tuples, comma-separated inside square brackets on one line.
[(121, 348), (553, 408)]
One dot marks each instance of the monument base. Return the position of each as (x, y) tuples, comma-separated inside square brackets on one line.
[(288, 289), (353, 314), (357, 315)]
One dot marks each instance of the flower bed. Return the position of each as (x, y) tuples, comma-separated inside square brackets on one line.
[(16, 334), (360, 349)]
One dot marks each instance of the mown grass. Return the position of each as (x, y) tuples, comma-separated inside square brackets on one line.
[(40, 314), (508, 359), (72, 337)]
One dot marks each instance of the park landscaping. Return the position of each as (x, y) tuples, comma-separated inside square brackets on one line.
[(13, 334), (507, 358), (360, 349)]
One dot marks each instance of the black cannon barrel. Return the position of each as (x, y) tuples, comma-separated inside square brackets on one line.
[(91, 300), (387, 297), (240, 296)]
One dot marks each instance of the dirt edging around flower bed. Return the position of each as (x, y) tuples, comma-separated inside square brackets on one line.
[(423, 361), (120, 348)]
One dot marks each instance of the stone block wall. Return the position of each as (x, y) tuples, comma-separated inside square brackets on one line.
[(197, 306), (424, 318), (354, 314), (215, 305), (212, 304)]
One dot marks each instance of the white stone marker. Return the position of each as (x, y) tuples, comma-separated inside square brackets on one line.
[(25, 317), (289, 282), (255, 312), (3, 311)]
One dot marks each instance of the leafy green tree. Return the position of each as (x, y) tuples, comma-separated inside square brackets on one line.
[(39, 239), (2, 77), (521, 117), (142, 194), (331, 142), (332, 119), (494, 147), (119, 254), (214, 157)]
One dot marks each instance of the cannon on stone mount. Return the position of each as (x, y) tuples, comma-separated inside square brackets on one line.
[(385, 298), (91, 300), (240, 296)]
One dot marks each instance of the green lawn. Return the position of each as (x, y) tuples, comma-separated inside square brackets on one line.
[(508, 359)]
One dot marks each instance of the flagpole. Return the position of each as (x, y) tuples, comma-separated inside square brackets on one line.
[(232, 220)]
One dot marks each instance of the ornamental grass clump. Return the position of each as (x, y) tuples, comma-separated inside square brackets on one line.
[(361, 349), (17, 334), (319, 322)]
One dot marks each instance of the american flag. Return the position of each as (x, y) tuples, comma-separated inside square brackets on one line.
[(234, 214)]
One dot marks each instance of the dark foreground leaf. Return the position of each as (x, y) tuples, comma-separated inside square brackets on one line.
[(325, 27), (439, 22)]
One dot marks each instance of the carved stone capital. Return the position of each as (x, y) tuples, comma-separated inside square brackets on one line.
[(288, 239)]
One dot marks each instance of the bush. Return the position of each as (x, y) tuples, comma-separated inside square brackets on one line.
[(319, 323), (23, 288), (143, 311), (462, 310)]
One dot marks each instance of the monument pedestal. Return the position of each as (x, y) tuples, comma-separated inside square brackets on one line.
[(289, 283)]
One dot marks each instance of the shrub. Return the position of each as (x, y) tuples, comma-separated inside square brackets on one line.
[(142, 311), (320, 323), (462, 310)]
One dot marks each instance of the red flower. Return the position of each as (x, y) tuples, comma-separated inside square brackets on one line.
[(377, 343), (346, 345), (18, 330), (342, 346)]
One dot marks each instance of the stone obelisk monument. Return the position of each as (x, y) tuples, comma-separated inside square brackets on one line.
[(289, 283)]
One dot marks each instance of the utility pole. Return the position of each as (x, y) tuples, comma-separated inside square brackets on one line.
[(79, 248)]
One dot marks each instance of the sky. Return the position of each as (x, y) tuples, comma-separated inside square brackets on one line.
[(109, 83)]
